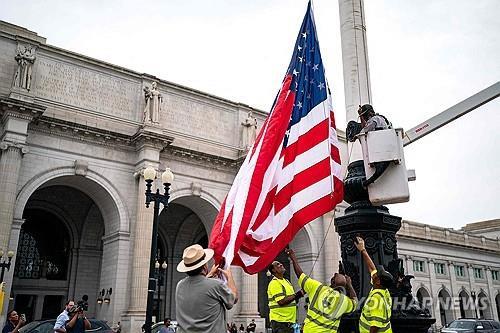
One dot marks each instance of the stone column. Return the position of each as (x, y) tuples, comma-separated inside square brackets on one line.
[(149, 142), (15, 118), (455, 289), (248, 299), (491, 294)]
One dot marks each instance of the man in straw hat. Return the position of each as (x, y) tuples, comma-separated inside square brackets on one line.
[(201, 298)]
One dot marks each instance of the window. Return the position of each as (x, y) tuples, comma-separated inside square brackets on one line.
[(495, 275), (418, 266), (478, 273), (439, 268), (460, 271)]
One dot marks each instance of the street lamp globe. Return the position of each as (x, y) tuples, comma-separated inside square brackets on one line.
[(167, 177), (149, 173), (164, 265), (157, 264), (10, 254)]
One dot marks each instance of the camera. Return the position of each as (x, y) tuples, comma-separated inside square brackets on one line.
[(83, 304)]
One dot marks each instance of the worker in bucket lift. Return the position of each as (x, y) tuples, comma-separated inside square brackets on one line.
[(371, 121)]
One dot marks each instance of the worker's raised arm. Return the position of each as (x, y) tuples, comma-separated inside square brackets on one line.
[(360, 245)]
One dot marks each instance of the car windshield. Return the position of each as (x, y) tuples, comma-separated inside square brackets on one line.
[(463, 324)]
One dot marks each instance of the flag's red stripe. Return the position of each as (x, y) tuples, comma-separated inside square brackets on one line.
[(271, 141), (306, 141), (301, 181), (302, 217)]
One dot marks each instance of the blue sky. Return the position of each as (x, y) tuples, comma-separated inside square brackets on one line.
[(425, 56)]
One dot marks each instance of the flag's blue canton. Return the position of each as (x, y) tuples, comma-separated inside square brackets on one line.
[(308, 74)]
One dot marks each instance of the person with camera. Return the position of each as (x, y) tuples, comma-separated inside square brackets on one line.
[(14, 322), (59, 326), (77, 323)]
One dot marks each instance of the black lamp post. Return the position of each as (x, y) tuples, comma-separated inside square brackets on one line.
[(160, 279), (5, 263), (167, 177)]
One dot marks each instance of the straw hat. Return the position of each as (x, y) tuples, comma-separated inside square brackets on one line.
[(194, 257)]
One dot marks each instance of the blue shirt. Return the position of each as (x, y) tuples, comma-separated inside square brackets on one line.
[(61, 320)]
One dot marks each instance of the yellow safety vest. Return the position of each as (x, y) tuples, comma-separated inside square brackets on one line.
[(276, 291), (376, 311), (326, 306)]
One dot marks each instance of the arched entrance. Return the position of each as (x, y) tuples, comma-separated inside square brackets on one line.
[(187, 221), (87, 218), (424, 299), (483, 306), (466, 305), (445, 307), (497, 301), (60, 243)]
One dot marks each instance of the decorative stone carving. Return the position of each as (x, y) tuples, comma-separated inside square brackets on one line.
[(81, 168), (25, 57), (249, 130), (196, 189), (154, 101)]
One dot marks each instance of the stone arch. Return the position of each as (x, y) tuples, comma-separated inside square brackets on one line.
[(497, 301), (466, 304), (205, 206), (445, 305), (107, 239), (97, 187), (483, 305), (424, 298)]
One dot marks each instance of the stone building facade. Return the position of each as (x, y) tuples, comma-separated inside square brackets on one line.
[(76, 134)]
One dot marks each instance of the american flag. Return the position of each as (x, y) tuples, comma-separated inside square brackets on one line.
[(292, 172)]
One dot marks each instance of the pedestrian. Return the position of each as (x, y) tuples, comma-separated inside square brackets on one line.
[(282, 300), (62, 319), (329, 303), (13, 323), (117, 328), (242, 328), (234, 329), (376, 314), (167, 326), (78, 322), (202, 298), (251, 327)]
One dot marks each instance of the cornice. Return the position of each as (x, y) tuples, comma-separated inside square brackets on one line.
[(202, 159), (15, 108), (75, 131)]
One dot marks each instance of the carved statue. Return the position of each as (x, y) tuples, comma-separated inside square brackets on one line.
[(25, 57), (154, 101), (249, 130)]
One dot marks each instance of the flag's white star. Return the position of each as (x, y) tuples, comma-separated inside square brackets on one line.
[(295, 72), (304, 34), (321, 85), (301, 59), (315, 67), (299, 48), (299, 105)]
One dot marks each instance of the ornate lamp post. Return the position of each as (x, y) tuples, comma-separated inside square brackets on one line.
[(5, 264), (166, 178)]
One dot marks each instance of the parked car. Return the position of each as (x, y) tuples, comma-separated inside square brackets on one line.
[(47, 326), (472, 326)]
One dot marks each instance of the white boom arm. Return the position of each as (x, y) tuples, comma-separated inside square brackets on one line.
[(452, 113)]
